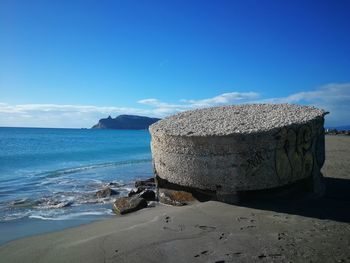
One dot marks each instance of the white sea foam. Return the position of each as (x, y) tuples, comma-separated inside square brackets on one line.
[(71, 215), (14, 216), (66, 171)]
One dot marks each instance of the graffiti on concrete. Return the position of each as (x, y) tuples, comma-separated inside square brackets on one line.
[(258, 158), (294, 156)]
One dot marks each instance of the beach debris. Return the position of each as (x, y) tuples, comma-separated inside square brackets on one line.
[(124, 205), (173, 197), (106, 192)]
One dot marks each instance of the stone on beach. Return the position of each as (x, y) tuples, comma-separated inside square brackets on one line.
[(173, 197), (106, 192), (149, 195), (233, 149), (124, 205), (145, 183), (145, 189), (133, 193)]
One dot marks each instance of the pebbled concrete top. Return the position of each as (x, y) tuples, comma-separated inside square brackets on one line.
[(235, 119)]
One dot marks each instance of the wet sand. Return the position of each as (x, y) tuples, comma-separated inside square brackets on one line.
[(300, 229)]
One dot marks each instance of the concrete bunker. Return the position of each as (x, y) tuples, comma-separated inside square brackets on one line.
[(224, 151)]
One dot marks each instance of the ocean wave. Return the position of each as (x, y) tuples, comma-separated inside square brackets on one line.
[(72, 215), (58, 194), (22, 203), (14, 216), (54, 214), (65, 171)]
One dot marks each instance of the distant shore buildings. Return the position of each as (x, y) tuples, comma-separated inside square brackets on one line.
[(336, 132)]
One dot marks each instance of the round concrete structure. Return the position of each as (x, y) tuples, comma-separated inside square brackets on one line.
[(239, 148)]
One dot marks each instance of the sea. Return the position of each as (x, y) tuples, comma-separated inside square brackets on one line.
[(49, 177)]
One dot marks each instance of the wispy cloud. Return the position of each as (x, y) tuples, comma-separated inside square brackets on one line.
[(329, 94), (332, 97), (224, 99), (57, 115), (162, 108), (22, 108)]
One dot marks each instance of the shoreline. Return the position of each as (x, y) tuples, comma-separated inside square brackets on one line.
[(297, 229)]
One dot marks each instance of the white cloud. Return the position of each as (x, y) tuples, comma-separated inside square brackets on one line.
[(332, 97), (163, 108), (23, 108), (153, 102), (224, 99), (57, 115), (330, 94)]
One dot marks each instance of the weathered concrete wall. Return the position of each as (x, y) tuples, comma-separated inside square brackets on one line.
[(241, 161)]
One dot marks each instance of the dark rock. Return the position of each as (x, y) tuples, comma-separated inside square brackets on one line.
[(142, 192), (149, 195), (124, 205), (125, 122), (132, 193), (144, 189), (145, 183), (114, 184), (138, 190), (173, 197), (106, 192), (24, 203), (59, 204), (199, 194)]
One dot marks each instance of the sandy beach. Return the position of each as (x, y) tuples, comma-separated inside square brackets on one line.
[(299, 229)]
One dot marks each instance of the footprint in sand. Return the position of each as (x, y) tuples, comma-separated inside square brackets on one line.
[(203, 253), (167, 219), (281, 236), (223, 236), (241, 218), (205, 227), (247, 227)]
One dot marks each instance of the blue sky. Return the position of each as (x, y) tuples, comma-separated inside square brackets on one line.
[(69, 63)]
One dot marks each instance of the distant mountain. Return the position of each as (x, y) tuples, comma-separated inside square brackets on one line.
[(125, 122)]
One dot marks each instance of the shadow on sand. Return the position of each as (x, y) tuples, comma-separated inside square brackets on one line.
[(333, 205)]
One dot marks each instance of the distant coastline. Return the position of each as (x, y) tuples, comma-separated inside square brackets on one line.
[(338, 128), (125, 122)]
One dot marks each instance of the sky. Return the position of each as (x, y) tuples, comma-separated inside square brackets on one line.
[(69, 63)]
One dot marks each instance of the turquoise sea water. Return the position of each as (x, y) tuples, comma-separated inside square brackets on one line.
[(48, 177)]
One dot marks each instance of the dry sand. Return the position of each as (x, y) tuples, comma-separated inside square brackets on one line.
[(301, 229)]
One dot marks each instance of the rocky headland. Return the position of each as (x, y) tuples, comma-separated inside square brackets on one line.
[(125, 122)]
